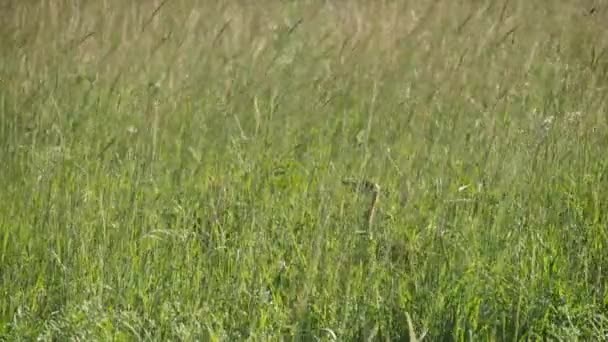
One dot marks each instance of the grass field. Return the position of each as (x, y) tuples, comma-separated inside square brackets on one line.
[(173, 170)]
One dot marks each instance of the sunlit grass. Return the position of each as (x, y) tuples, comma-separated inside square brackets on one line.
[(173, 170)]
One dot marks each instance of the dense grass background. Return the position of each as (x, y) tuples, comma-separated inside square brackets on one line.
[(172, 170)]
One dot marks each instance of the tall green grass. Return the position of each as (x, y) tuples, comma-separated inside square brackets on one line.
[(172, 170)]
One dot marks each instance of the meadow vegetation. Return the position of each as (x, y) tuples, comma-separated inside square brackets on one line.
[(172, 170)]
